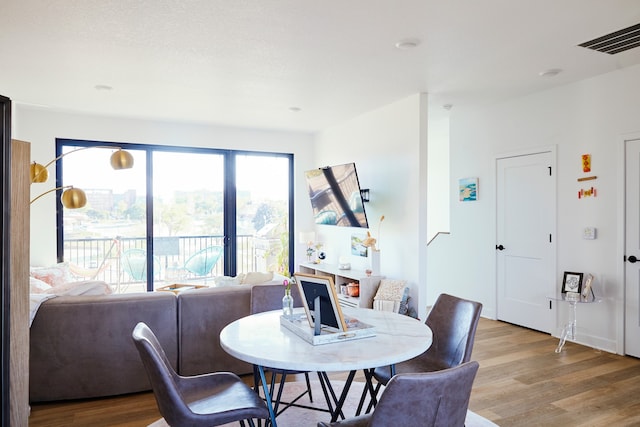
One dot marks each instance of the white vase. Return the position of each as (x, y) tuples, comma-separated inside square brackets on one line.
[(375, 263)]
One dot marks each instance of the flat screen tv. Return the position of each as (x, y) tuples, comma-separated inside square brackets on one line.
[(335, 196)]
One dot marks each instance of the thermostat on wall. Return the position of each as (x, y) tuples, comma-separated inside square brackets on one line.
[(589, 233)]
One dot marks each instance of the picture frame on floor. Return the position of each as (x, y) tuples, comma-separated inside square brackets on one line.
[(572, 282)]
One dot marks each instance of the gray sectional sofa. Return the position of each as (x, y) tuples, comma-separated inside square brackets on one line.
[(81, 346)]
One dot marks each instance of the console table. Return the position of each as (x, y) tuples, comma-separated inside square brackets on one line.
[(569, 330), (368, 284)]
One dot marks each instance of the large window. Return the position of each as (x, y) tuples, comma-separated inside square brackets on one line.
[(179, 216)]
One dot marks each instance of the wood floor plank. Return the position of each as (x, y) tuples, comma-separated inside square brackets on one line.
[(521, 382)]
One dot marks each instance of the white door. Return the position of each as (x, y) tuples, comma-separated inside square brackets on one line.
[(525, 245), (632, 248)]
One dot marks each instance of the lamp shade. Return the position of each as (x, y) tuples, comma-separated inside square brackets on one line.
[(307, 237), (38, 172), (121, 160), (74, 198)]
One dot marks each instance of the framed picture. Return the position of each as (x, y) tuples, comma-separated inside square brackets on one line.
[(468, 189), (572, 282), (587, 290), (357, 248), (312, 286)]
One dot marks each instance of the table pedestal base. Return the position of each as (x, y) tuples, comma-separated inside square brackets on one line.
[(569, 330)]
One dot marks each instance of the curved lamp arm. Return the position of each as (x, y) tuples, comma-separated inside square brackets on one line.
[(120, 159), (72, 198)]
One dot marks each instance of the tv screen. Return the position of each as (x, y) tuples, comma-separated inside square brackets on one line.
[(335, 196)]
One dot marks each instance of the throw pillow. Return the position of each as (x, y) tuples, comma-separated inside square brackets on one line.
[(55, 275), (255, 277), (37, 286), (392, 295), (86, 287), (221, 281)]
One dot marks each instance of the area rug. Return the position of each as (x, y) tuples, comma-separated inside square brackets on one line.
[(304, 417)]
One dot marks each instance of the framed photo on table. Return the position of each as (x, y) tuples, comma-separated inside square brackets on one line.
[(587, 289), (572, 282), (312, 286)]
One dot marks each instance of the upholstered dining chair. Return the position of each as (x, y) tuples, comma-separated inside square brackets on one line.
[(427, 399), (198, 401), (268, 297), (453, 321)]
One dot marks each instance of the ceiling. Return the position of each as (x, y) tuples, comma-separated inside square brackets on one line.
[(249, 63)]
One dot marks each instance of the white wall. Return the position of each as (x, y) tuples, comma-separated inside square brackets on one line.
[(586, 117), (388, 146), (438, 189), (42, 126)]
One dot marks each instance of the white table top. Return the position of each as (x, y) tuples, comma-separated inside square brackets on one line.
[(261, 340)]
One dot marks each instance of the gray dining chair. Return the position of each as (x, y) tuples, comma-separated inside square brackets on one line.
[(427, 399), (453, 322), (196, 401)]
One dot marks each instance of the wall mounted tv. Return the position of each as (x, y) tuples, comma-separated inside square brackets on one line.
[(335, 196)]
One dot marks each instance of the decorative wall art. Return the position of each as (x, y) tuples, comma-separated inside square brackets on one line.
[(357, 248), (468, 189), (586, 163), (586, 167)]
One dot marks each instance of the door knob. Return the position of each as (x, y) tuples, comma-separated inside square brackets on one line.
[(632, 259), (500, 247)]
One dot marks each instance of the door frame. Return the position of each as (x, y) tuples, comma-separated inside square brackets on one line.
[(621, 294), (553, 149)]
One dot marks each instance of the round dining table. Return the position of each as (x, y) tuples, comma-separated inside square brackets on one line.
[(261, 340)]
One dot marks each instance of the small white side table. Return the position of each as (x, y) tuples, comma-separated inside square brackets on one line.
[(569, 330)]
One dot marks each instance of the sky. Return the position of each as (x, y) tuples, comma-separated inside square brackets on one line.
[(90, 169)]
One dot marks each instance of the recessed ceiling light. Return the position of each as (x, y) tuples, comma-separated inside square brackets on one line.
[(103, 87), (295, 109), (406, 44), (552, 72)]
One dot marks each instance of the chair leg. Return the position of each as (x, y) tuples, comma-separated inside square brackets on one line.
[(255, 378)]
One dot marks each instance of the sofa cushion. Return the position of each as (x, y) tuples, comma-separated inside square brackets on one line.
[(81, 346), (202, 314)]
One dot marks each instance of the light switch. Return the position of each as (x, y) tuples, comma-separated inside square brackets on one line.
[(589, 233)]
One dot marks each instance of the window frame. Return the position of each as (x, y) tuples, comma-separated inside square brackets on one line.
[(229, 196)]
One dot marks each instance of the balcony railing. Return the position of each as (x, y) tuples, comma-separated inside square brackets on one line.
[(101, 259)]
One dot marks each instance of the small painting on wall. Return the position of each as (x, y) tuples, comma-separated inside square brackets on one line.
[(468, 189)]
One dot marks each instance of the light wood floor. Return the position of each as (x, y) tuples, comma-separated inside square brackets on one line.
[(521, 382)]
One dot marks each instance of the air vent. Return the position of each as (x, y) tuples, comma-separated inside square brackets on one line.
[(616, 42)]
